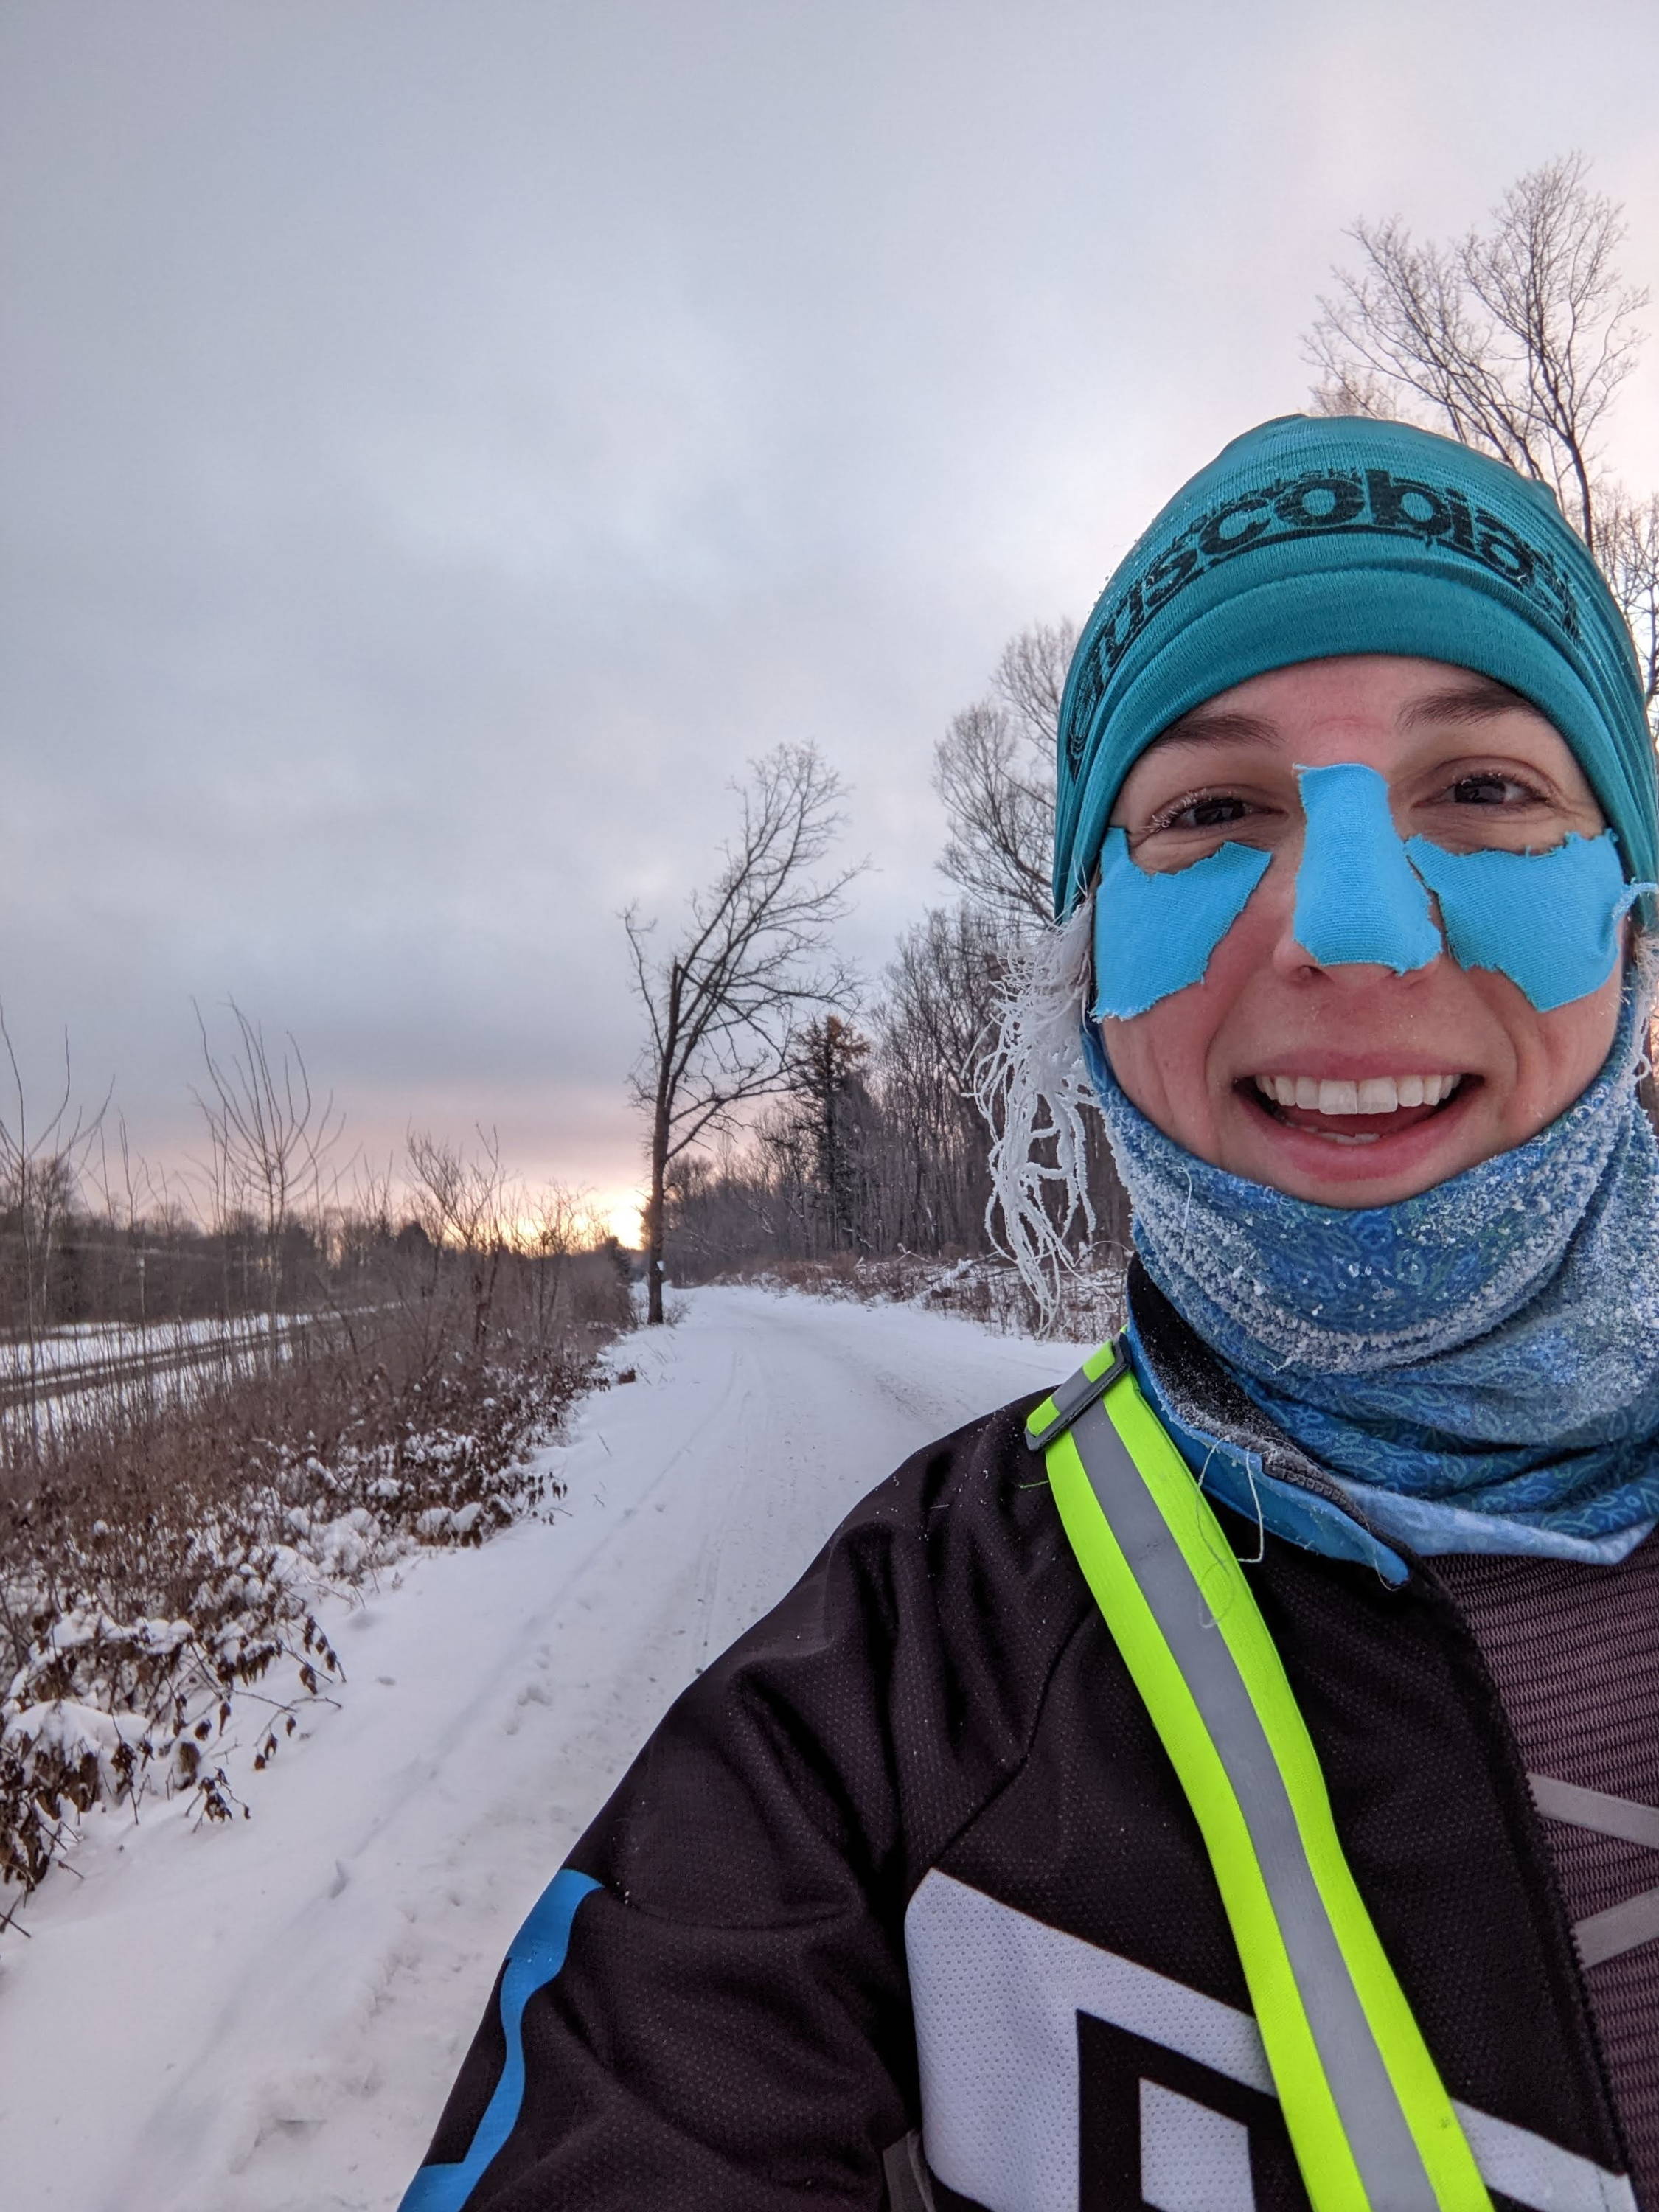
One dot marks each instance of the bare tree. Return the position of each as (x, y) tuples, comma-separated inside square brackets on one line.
[(941, 996), (269, 1139), (40, 1163), (462, 1207), (723, 1003), (878, 1151), (1630, 540), (555, 1224), (1515, 340), (995, 770)]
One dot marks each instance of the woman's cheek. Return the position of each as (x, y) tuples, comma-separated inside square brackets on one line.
[(1160, 1059), (1557, 1055)]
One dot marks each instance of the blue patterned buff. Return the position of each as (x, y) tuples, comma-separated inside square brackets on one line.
[(1479, 1366)]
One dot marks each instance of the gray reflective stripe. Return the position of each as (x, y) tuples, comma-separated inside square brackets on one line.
[(1075, 1396), (1378, 2134), (908, 2188), (1619, 1928), (1597, 1809)]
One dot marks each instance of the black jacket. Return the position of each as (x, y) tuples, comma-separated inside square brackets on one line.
[(911, 1854)]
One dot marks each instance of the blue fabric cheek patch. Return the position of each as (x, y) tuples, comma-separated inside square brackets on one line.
[(1547, 921), (1357, 900), (1154, 934)]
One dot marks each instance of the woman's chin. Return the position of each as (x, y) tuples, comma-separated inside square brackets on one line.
[(1357, 1160)]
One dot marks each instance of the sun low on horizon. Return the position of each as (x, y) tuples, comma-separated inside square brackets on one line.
[(614, 1210), (619, 1211)]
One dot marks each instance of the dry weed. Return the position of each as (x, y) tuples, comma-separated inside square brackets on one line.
[(161, 1565)]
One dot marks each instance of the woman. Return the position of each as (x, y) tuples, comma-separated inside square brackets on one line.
[(1230, 1781)]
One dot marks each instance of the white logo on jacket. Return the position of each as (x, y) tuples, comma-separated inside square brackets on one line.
[(996, 1996)]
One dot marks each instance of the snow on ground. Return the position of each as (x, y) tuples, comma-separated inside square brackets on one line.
[(266, 2017), (82, 1342), (62, 1376)]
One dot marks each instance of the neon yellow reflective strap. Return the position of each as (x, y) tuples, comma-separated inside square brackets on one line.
[(1316, 2128), (1340, 2103)]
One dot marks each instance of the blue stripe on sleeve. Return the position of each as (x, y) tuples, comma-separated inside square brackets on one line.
[(535, 1957)]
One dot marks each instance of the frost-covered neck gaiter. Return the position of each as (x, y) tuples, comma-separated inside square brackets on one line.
[(1491, 1344)]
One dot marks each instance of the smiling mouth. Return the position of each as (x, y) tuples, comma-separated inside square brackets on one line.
[(1355, 1113)]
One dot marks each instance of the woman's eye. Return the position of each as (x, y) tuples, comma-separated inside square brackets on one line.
[(1490, 790), (1214, 810)]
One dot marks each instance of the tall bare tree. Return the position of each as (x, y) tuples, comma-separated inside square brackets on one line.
[(462, 1206), (724, 1001), (1515, 340), (941, 997), (269, 1142), (1630, 558), (41, 1158), (995, 770)]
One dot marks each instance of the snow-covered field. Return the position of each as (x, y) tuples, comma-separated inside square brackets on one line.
[(268, 2015), (64, 1375), (91, 1341)]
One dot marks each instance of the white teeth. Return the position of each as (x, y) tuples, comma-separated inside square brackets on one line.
[(1376, 1094)]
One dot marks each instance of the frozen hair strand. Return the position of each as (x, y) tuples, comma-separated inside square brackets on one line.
[(1032, 1086)]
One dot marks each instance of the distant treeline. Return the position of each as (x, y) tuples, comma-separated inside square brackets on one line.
[(82, 1268), (271, 1224)]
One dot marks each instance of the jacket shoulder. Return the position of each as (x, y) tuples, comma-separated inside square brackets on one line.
[(899, 1683)]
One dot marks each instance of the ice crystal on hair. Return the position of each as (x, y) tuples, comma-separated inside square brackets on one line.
[(1033, 1087)]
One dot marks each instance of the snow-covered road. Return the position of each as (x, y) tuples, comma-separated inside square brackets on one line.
[(268, 2015)]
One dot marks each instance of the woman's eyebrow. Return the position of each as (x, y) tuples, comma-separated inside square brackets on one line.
[(1202, 727), (1480, 699), (1468, 702)]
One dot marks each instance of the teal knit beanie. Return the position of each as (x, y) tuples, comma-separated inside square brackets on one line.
[(1313, 536)]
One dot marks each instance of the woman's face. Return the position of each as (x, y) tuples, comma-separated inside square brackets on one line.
[(1468, 765)]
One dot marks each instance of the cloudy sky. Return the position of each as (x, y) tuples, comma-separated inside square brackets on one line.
[(441, 439)]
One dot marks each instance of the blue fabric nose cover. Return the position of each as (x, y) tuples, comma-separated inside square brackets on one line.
[(1357, 897), (1547, 921)]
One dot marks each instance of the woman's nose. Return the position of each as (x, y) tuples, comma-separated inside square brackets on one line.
[(1358, 902)]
